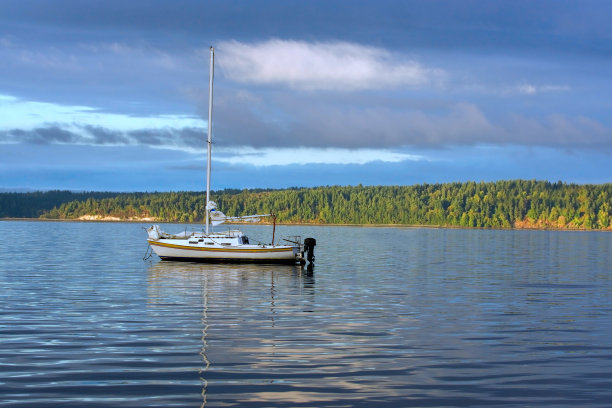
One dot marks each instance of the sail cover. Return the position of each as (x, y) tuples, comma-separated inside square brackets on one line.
[(217, 217)]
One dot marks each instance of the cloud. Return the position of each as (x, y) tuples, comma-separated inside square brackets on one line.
[(302, 120), (45, 135), (530, 89), (28, 114), (557, 130), (339, 66), (6, 42), (185, 139), (103, 136), (289, 156), (309, 122), (32, 122), (285, 124), (505, 90), (385, 127)]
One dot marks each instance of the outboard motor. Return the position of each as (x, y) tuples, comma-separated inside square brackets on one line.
[(309, 244)]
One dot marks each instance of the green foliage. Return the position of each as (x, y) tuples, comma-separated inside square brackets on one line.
[(35, 204), (502, 204)]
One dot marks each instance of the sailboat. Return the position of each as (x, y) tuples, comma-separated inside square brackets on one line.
[(230, 245)]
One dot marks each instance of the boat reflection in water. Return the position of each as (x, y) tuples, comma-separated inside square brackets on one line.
[(228, 312)]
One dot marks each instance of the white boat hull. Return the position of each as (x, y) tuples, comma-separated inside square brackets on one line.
[(181, 249)]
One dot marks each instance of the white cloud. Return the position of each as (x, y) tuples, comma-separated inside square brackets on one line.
[(322, 66), (26, 115), (507, 90), (5, 41), (530, 89), (32, 122), (302, 155)]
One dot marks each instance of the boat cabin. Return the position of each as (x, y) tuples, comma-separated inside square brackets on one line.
[(226, 238)]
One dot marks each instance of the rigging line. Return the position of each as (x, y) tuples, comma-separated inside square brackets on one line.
[(148, 254)]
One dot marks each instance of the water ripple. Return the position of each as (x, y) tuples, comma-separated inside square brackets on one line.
[(401, 317)]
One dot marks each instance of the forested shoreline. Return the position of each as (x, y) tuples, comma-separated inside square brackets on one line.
[(501, 204)]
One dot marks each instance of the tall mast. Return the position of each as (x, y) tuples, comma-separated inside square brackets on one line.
[(208, 164)]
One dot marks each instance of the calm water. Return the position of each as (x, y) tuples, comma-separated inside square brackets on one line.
[(390, 318)]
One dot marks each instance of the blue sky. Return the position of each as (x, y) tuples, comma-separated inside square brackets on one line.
[(112, 95)]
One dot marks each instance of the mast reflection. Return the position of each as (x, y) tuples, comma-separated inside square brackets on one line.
[(210, 286)]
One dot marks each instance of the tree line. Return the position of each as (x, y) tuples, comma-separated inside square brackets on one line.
[(35, 204), (501, 204)]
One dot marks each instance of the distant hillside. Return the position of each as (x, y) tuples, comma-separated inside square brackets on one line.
[(502, 204), (34, 204)]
